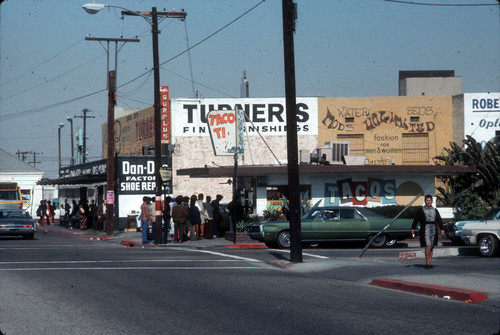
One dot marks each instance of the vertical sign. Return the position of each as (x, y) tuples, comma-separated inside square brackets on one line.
[(165, 115)]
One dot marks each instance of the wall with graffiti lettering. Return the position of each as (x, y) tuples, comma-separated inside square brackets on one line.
[(370, 191), (132, 132), (382, 124)]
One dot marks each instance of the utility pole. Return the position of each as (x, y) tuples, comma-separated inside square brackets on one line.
[(289, 13), (84, 117), (116, 40), (110, 157), (157, 104), (34, 158)]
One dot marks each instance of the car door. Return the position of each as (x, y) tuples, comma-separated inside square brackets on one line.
[(352, 225), (325, 226)]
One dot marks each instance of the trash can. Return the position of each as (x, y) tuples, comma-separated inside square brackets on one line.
[(132, 219)]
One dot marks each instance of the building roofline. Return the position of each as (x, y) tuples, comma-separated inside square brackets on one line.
[(247, 170)]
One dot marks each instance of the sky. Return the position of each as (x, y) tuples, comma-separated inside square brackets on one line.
[(343, 48)]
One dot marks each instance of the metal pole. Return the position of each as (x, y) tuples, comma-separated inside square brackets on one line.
[(235, 193), (84, 153), (292, 146), (72, 141), (110, 157), (59, 138), (157, 119), (387, 225)]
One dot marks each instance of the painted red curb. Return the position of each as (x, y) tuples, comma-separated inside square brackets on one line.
[(432, 290), (130, 243), (244, 246)]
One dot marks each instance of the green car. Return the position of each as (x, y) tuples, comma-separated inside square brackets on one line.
[(329, 224)]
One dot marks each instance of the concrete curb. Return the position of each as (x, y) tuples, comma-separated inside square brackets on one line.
[(452, 293), (245, 246)]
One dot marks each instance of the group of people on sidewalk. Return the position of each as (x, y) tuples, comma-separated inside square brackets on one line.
[(192, 218), (81, 215), (46, 212)]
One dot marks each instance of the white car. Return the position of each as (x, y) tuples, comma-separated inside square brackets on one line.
[(485, 233)]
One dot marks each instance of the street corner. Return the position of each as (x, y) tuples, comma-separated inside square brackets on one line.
[(450, 293)]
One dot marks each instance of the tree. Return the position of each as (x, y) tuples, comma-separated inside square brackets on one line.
[(472, 193)]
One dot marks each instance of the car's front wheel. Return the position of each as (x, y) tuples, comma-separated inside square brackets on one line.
[(283, 240), (379, 241), (488, 245)]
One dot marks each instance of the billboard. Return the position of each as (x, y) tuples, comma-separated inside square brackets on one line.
[(264, 116), (482, 115)]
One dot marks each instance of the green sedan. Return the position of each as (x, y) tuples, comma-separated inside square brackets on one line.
[(328, 224)]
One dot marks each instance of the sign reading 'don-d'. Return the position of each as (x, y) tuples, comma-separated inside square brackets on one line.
[(136, 175), (223, 128)]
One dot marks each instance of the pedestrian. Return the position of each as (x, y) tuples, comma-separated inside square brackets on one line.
[(101, 215), (51, 212), (152, 209), (67, 208), (235, 213), (203, 215), (40, 212), (195, 217), (189, 226), (179, 216), (209, 233), (217, 218), (145, 219), (93, 215), (430, 221), (82, 214), (167, 215)]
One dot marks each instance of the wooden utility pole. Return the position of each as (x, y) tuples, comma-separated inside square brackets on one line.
[(110, 158), (291, 123)]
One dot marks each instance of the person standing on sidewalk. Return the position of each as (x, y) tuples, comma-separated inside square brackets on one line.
[(430, 220), (179, 216), (145, 218)]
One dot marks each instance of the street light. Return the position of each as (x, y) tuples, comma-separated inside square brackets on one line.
[(59, 138), (93, 8), (70, 120)]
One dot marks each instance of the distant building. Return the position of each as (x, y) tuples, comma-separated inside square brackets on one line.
[(13, 169), (428, 82)]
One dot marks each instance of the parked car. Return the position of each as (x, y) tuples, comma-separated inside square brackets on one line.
[(453, 230), (330, 223), (484, 233), (17, 222)]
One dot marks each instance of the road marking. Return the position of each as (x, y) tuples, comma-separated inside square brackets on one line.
[(142, 268), (304, 254), (118, 261), (223, 255)]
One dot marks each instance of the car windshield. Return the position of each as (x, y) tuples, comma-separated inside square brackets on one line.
[(6, 214), (494, 214)]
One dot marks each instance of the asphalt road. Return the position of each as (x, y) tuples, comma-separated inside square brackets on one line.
[(61, 284)]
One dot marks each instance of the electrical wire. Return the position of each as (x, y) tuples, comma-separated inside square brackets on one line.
[(42, 63), (40, 109), (439, 4)]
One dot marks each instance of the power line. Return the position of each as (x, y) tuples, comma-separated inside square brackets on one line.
[(440, 4), (40, 109)]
